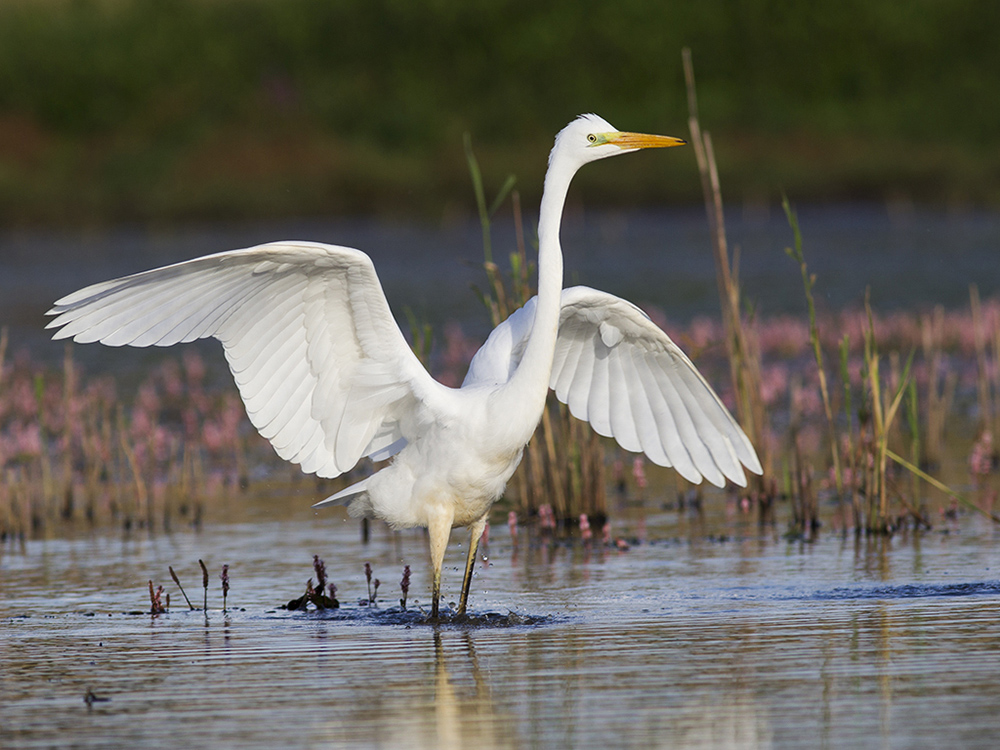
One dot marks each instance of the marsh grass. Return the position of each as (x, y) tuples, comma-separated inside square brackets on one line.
[(72, 451), (880, 396), (904, 438), (927, 371), (741, 344)]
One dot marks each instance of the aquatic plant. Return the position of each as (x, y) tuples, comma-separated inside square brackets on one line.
[(72, 449), (316, 595), (404, 586), (66, 438), (156, 605), (741, 344), (204, 585), (372, 585), (224, 577), (177, 580), (808, 280)]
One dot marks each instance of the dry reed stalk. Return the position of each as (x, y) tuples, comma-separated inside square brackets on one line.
[(936, 483), (874, 489), (178, 582), (853, 459), (594, 474), (805, 515), (45, 492), (884, 408), (141, 499), (983, 389), (69, 398), (913, 419), (204, 585), (941, 387), (995, 379), (808, 280), (554, 464), (744, 355)]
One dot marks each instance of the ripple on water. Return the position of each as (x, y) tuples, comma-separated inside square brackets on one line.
[(681, 645)]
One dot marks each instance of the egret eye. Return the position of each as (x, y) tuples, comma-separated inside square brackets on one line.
[(592, 138)]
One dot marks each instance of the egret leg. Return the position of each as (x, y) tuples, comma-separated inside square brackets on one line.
[(476, 529), (438, 529)]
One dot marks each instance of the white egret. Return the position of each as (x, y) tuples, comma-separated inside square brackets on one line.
[(328, 378)]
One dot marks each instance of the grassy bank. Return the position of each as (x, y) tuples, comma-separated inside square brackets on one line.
[(173, 109)]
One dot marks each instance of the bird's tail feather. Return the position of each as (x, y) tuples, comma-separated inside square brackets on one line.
[(346, 496)]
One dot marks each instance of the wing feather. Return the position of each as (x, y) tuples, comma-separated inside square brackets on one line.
[(578, 395), (599, 398), (642, 413), (684, 422), (319, 361), (670, 436), (702, 409), (616, 369), (562, 378), (619, 403)]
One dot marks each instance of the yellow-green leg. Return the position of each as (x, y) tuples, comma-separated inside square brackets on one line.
[(438, 529), (475, 534)]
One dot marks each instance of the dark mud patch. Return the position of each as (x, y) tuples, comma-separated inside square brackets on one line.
[(398, 617)]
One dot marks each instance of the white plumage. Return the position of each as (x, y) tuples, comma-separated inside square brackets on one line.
[(620, 372), (328, 378)]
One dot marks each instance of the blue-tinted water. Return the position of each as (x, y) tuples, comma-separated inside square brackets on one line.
[(680, 642), (911, 260)]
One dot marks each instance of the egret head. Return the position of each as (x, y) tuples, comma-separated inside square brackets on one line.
[(589, 138)]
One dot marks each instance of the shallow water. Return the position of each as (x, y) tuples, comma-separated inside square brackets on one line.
[(697, 636)]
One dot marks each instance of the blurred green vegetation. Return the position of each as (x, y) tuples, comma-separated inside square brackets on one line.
[(175, 109)]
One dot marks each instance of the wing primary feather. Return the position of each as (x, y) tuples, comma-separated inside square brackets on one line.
[(642, 410), (562, 379), (562, 353), (128, 306), (578, 395), (683, 419), (704, 408), (598, 401), (619, 403), (670, 435), (715, 411), (188, 314)]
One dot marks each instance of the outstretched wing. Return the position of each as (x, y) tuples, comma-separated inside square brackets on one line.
[(618, 371), (322, 367)]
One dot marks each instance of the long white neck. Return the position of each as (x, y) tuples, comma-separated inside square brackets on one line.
[(527, 389)]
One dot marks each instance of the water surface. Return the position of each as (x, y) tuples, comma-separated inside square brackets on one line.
[(696, 636), (910, 259)]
